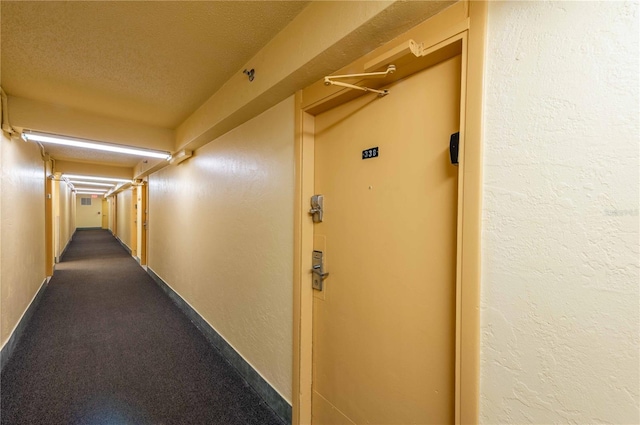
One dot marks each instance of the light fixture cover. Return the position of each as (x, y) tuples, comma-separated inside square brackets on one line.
[(77, 182), (95, 178), (90, 193), (87, 189), (90, 144)]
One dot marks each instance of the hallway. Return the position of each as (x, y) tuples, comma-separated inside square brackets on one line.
[(106, 345)]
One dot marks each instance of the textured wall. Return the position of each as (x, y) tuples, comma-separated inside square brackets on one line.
[(221, 235), (560, 320), (21, 230)]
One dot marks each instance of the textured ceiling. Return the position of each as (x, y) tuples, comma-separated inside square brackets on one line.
[(150, 62)]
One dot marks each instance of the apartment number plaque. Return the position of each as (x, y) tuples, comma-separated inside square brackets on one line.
[(370, 153)]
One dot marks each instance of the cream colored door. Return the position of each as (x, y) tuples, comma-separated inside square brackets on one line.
[(105, 214), (142, 223), (384, 325)]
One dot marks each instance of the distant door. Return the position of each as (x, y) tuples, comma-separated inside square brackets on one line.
[(384, 325), (114, 215), (142, 222), (105, 213), (88, 212), (133, 226), (49, 223)]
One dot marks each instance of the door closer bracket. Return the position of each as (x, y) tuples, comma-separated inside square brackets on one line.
[(329, 80)]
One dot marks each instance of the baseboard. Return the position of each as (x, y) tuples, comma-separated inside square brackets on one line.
[(123, 244), (10, 345), (273, 399), (64, 250), (89, 228)]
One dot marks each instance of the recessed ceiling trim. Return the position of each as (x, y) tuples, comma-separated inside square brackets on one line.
[(28, 135)]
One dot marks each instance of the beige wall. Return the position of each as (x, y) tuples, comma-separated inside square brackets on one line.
[(221, 235), (22, 254), (88, 215), (560, 312), (123, 219)]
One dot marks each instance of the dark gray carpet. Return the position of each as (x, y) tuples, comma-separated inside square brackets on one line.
[(107, 346)]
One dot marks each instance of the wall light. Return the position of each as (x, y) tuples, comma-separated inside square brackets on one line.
[(89, 144)]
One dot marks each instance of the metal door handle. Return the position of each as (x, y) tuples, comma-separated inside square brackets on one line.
[(318, 270)]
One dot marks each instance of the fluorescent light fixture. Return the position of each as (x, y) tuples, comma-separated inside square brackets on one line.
[(95, 178), (85, 189), (88, 193), (89, 144), (74, 182)]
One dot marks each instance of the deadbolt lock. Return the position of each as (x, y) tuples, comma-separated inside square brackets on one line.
[(317, 203)]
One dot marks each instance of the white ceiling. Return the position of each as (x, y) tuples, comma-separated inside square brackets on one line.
[(151, 62)]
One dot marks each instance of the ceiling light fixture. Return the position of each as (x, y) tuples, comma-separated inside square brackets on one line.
[(89, 193), (95, 178), (88, 189), (92, 183), (90, 144)]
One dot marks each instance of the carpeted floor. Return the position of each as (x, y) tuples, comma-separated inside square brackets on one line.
[(107, 346)]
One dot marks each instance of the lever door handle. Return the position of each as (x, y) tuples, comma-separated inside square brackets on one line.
[(318, 271)]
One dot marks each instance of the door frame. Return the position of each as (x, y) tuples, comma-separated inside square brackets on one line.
[(463, 24)]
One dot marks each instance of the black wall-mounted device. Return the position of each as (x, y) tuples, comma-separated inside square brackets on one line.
[(454, 147)]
